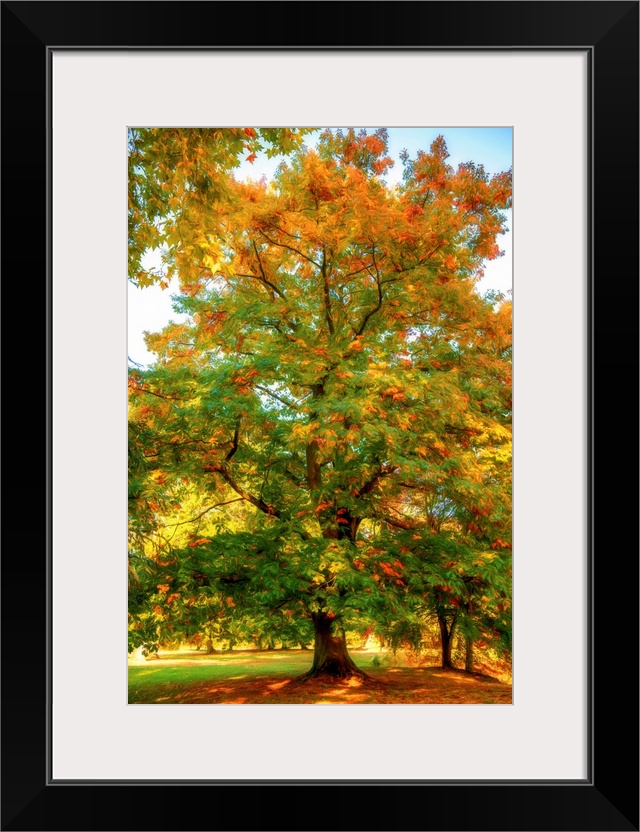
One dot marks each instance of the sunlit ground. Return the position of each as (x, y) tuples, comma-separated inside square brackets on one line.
[(269, 677)]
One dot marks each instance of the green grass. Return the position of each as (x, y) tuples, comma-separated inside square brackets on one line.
[(189, 677), (217, 668), (140, 676)]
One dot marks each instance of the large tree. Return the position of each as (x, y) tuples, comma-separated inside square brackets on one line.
[(337, 408)]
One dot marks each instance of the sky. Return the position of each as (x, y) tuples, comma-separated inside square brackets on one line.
[(150, 309)]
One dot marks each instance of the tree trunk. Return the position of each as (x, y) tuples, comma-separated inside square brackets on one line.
[(330, 655), (468, 656), (210, 648), (446, 638)]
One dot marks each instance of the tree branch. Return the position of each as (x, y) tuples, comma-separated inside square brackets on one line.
[(180, 444), (368, 487), (400, 524), (352, 274), (234, 445), (313, 465), (424, 487), (202, 513), (291, 248), (282, 231), (159, 395), (456, 430), (378, 306), (265, 283), (275, 396), (255, 501), (264, 276), (325, 292)]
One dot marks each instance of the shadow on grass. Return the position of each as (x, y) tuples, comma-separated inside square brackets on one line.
[(268, 678)]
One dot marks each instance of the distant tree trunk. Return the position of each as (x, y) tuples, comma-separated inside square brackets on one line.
[(330, 655), (446, 638), (209, 631), (468, 655)]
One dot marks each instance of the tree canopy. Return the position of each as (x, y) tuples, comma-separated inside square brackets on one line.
[(325, 444)]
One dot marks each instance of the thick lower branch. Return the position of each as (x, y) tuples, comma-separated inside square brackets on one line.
[(313, 465), (234, 444), (250, 498), (368, 487)]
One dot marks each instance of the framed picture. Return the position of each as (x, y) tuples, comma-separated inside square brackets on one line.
[(564, 77)]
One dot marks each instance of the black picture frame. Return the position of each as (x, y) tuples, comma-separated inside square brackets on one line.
[(608, 798)]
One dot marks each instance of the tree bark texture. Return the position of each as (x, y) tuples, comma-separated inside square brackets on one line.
[(468, 655), (446, 638), (330, 655)]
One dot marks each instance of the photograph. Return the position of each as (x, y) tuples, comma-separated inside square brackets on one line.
[(319, 415), (344, 433)]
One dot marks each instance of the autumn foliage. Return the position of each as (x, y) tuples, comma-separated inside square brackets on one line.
[(328, 436)]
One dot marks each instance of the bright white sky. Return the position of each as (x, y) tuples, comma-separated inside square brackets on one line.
[(150, 309)]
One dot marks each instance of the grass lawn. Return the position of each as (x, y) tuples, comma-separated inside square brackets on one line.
[(269, 677)]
